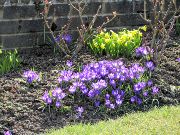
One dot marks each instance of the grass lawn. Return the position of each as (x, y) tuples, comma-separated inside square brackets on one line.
[(159, 121)]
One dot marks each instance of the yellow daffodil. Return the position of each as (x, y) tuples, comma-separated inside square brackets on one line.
[(107, 40), (95, 45), (101, 33), (113, 44), (102, 46), (107, 35), (144, 28), (124, 38), (119, 41)]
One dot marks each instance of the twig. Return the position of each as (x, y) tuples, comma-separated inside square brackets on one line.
[(52, 34)]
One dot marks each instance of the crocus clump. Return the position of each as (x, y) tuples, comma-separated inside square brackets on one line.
[(66, 37), (31, 76), (104, 83), (143, 51)]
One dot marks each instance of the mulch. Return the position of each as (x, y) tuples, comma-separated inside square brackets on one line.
[(20, 105)]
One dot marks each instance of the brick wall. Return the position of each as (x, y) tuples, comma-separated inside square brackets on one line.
[(21, 27)]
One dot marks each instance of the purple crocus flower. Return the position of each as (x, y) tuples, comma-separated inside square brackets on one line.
[(113, 83), (139, 101), (112, 106), (140, 51), (56, 92), (72, 89), (91, 93), (84, 90), (58, 104), (67, 38), (139, 86), (80, 110), (145, 94), (133, 99), (97, 103), (178, 59), (107, 96), (31, 76), (149, 83), (122, 78), (107, 102), (155, 90), (49, 100), (99, 85), (95, 86), (61, 96), (119, 101), (7, 133), (57, 39), (115, 92), (97, 92), (65, 75), (60, 79), (118, 96), (150, 65), (29, 80), (103, 71), (143, 51), (131, 75), (103, 83), (111, 76), (122, 92), (69, 63), (45, 96)]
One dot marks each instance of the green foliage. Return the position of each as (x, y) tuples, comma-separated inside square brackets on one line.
[(8, 60), (114, 44)]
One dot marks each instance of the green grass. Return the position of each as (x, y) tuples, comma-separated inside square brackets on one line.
[(159, 121)]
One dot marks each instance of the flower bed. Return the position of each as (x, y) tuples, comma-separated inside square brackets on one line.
[(21, 102)]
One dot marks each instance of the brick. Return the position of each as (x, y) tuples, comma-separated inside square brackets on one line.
[(28, 11), (21, 40), (36, 25), (17, 12), (29, 40)]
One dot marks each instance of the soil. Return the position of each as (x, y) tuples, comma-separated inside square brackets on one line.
[(21, 109)]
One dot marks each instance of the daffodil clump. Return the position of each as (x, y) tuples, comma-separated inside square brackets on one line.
[(9, 60), (115, 44)]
